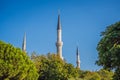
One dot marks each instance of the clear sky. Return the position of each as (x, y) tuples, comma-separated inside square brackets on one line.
[(82, 22)]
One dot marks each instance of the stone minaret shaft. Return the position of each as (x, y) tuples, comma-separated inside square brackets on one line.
[(24, 43), (59, 42), (78, 58)]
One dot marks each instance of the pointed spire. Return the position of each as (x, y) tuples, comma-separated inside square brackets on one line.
[(78, 58), (24, 43), (59, 24), (77, 52)]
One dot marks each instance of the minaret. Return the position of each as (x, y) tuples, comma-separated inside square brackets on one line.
[(24, 44), (59, 42), (78, 58)]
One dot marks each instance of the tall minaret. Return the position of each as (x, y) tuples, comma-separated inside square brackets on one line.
[(24, 43), (78, 58), (59, 42)]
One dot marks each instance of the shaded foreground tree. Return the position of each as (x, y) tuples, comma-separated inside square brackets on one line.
[(109, 49), (51, 67), (15, 64)]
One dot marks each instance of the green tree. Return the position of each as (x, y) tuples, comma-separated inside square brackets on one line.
[(15, 64), (105, 75), (109, 49), (88, 75), (51, 67)]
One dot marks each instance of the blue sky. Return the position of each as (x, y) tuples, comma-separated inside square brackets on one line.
[(82, 21)]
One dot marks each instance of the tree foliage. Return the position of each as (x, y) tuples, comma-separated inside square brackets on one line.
[(15, 64), (109, 49), (88, 75), (51, 67), (105, 74), (92, 76), (95, 75)]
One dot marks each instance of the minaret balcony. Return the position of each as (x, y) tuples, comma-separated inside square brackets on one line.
[(59, 43)]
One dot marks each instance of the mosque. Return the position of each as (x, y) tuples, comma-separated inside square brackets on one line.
[(59, 43)]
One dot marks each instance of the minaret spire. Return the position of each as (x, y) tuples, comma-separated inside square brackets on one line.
[(24, 43), (78, 58), (59, 42), (59, 24)]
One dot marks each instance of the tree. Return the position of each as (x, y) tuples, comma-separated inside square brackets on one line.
[(105, 75), (52, 67), (15, 64), (109, 49), (88, 75)]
